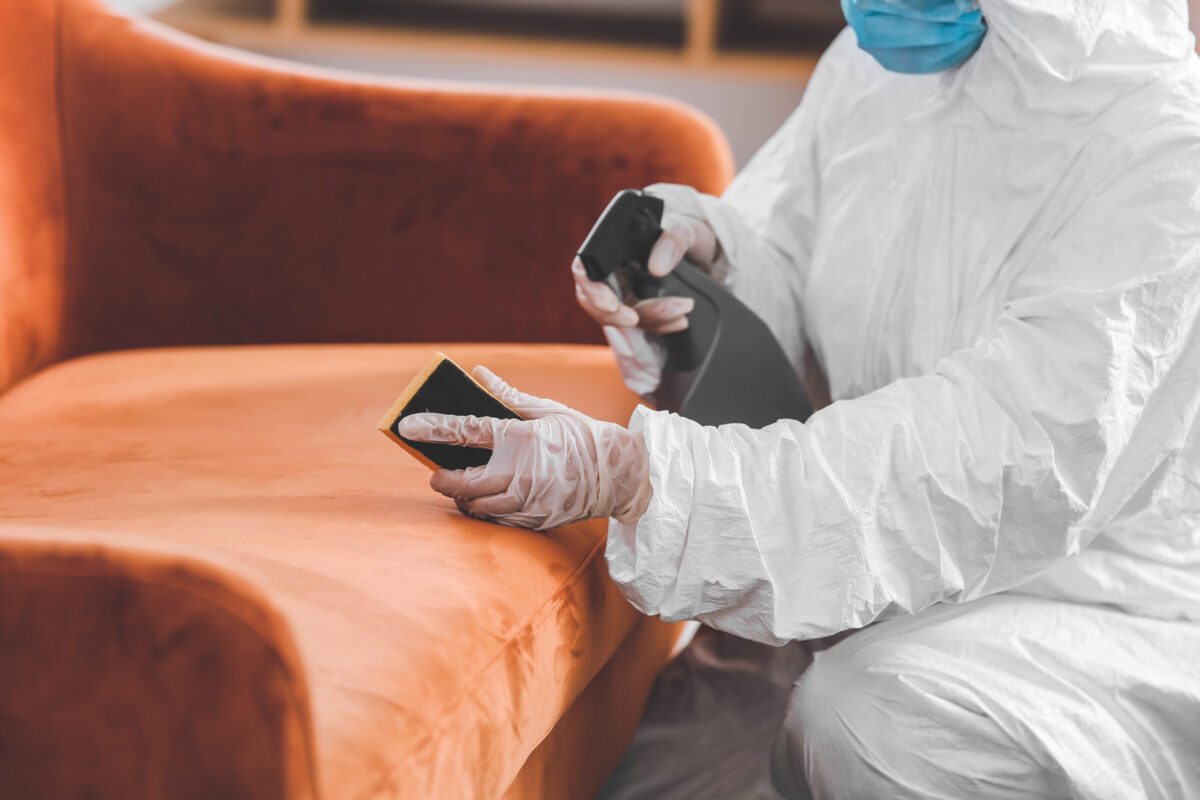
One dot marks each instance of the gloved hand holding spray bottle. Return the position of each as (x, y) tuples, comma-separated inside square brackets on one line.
[(558, 465)]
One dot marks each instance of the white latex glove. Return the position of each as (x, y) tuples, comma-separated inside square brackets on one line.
[(682, 235), (631, 329), (554, 467)]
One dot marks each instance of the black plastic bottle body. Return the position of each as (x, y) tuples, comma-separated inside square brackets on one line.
[(727, 366)]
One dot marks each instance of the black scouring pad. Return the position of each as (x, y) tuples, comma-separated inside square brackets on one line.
[(443, 387)]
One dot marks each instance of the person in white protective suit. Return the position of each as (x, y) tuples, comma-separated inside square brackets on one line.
[(997, 267)]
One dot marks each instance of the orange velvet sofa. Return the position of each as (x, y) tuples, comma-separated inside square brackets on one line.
[(217, 580)]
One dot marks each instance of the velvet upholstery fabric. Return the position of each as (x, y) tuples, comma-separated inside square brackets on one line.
[(131, 674), (32, 214), (216, 578), (199, 545), (217, 198)]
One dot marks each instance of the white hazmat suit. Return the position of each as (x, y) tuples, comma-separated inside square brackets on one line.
[(999, 269)]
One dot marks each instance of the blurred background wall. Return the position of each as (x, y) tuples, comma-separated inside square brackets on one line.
[(743, 62)]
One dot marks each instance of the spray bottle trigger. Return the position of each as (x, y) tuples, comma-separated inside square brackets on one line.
[(643, 283)]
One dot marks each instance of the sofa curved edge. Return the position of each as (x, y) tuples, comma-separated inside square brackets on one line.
[(467, 755), (129, 673)]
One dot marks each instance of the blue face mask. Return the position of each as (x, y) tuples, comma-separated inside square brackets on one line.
[(917, 36)]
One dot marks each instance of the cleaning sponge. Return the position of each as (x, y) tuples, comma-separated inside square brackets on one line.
[(443, 387)]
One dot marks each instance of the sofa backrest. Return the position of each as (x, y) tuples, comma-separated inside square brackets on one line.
[(215, 197)]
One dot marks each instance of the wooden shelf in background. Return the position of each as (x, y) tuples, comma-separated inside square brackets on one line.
[(296, 23)]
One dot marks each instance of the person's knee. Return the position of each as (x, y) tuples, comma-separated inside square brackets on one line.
[(835, 730), (876, 719), (899, 716)]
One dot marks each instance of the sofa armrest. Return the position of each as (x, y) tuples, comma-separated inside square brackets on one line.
[(132, 674), (218, 197)]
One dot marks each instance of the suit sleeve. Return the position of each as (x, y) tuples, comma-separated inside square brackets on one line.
[(1006, 459)]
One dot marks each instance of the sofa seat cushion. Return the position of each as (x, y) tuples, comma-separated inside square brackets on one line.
[(427, 654)]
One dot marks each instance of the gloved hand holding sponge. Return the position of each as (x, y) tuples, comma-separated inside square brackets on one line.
[(557, 465), (553, 467)]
